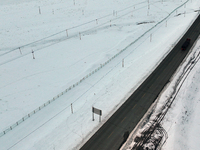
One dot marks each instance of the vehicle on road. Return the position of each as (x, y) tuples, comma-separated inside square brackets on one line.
[(185, 44)]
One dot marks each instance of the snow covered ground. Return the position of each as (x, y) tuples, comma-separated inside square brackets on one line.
[(79, 48), (182, 122)]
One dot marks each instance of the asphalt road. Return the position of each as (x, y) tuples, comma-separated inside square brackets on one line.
[(110, 135)]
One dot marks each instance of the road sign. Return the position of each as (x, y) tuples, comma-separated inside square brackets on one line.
[(96, 111)]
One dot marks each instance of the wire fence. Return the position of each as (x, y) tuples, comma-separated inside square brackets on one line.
[(84, 78), (94, 21), (69, 33)]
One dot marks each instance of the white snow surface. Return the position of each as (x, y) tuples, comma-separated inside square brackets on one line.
[(182, 122), (81, 47)]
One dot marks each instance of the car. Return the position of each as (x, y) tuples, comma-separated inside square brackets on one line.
[(186, 44)]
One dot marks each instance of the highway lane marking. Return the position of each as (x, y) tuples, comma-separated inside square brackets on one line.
[(123, 119), (158, 77), (143, 95), (109, 135), (134, 106)]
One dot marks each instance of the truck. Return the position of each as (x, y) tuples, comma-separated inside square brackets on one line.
[(185, 44)]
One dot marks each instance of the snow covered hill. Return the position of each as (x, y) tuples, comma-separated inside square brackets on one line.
[(60, 58)]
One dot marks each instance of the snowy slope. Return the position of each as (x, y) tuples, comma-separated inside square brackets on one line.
[(70, 39)]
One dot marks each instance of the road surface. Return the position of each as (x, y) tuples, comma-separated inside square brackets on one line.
[(111, 135)]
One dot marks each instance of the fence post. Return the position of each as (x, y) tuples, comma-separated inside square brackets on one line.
[(80, 35), (71, 108), (150, 37), (67, 32), (39, 10), (20, 51), (33, 54)]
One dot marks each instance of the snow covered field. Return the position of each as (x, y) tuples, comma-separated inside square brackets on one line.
[(79, 47)]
